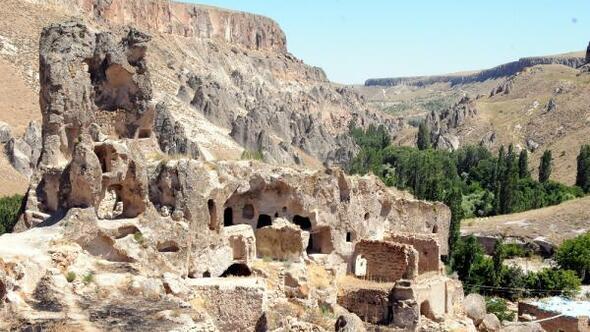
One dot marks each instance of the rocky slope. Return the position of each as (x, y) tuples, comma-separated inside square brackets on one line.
[(224, 80), (118, 235), (542, 230), (540, 107)]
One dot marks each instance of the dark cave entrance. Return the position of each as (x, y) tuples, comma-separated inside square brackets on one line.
[(263, 221), (302, 222), (228, 217), (237, 270)]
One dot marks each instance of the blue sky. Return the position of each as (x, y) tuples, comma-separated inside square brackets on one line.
[(356, 40)]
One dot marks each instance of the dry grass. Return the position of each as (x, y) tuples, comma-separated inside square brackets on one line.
[(514, 117), (555, 223), (318, 276)]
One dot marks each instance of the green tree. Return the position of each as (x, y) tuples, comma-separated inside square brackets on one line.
[(545, 166), (499, 179), (498, 259), (550, 282), (508, 182), (574, 254), (466, 254), (583, 174), (423, 140), (454, 201), (10, 207), (523, 164)]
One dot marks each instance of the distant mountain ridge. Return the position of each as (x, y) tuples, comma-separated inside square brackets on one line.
[(573, 60)]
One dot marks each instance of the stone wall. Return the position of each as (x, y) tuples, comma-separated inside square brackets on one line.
[(371, 305), (242, 241), (281, 241), (387, 261), (427, 247), (237, 305), (563, 323)]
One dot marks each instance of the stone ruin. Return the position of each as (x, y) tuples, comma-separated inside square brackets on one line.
[(399, 280), (104, 182)]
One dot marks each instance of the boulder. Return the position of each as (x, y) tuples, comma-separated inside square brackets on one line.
[(490, 323), (488, 140), (293, 324), (23, 152), (448, 142), (532, 145), (296, 281), (551, 106), (475, 307), (349, 323), (5, 132)]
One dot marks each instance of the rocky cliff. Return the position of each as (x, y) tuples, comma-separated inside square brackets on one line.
[(504, 70), (442, 124), (182, 19), (118, 235), (224, 82)]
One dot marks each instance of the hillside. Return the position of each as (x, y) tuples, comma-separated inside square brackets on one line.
[(542, 107), (552, 224), (119, 232), (573, 59), (224, 82)]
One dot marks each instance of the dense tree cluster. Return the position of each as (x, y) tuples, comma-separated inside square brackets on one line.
[(489, 185), (471, 180), (9, 210), (488, 275), (574, 254)]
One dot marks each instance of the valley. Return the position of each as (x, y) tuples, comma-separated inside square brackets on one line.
[(172, 166)]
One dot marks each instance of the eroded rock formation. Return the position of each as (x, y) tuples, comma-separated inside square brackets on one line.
[(24, 152), (441, 124), (226, 84), (117, 234)]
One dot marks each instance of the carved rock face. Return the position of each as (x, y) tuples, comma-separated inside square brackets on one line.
[(88, 77), (95, 94)]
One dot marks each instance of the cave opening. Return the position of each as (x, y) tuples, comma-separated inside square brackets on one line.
[(211, 206), (320, 241), (237, 270), (144, 133), (263, 221), (168, 246), (228, 217), (348, 236), (302, 222), (248, 211)]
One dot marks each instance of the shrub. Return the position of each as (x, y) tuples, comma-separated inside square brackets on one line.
[(10, 208), (498, 307), (484, 274), (88, 278), (252, 155), (71, 276), (574, 254), (138, 237), (550, 282), (512, 250)]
